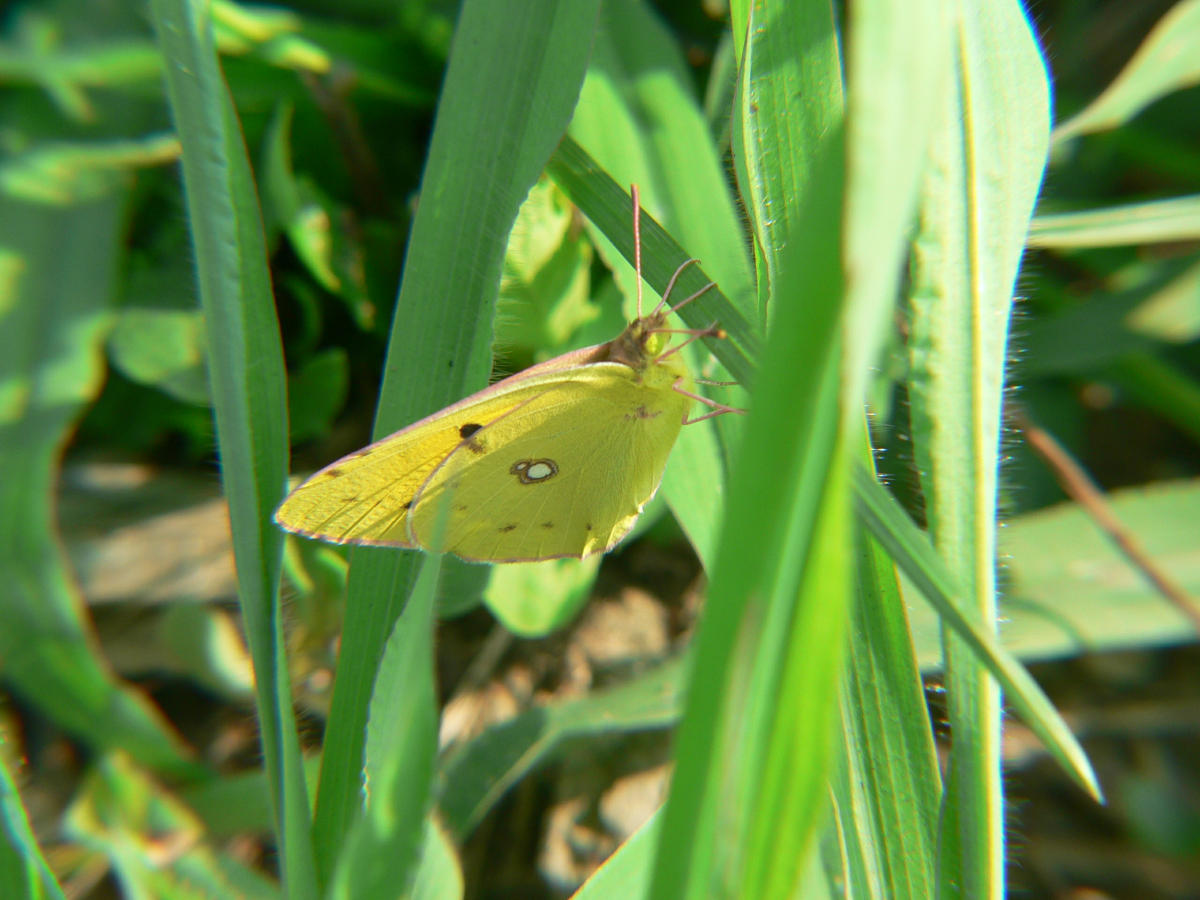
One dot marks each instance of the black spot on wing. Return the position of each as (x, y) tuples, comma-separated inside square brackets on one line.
[(548, 525), (641, 412), (504, 529), (467, 432)]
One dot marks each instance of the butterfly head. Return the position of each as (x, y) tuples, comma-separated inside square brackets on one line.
[(642, 342)]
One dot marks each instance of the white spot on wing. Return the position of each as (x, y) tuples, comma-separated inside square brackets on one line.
[(534, 471)]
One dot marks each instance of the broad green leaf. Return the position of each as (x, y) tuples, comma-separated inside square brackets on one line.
[(1070, 591), (57, 267), (1170, 311), (535, 599), (547, 274), (123, 816), (163, 348)]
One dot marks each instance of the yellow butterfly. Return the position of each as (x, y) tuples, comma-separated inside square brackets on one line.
[(555, 461)]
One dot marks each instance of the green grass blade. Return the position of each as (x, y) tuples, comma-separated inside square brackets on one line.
[(626, 873), (887, 138), (939, 584), (985, 170), (608, 206), (245, 363), (1161, 385), (893, 785), (439, 876), (1177, 219), (769, 648), (507, 97), (24, 874), (1168, 60), (380, 854), (639, 118), (846, 854), (476, 775), (888, 784)]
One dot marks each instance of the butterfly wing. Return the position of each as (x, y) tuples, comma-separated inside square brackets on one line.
[(364, 498), (565, 472)]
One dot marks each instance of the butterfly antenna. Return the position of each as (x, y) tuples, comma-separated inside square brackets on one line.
[(671, 284), (637, 243), (671, 287), (637, 263)]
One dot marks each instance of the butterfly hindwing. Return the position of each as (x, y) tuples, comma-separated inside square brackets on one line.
[(564, 473)]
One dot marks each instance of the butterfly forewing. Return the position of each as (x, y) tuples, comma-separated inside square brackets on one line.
[(364, 498)]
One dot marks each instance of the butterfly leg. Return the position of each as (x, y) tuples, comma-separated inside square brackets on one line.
[(718, 409), (713, 331)]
